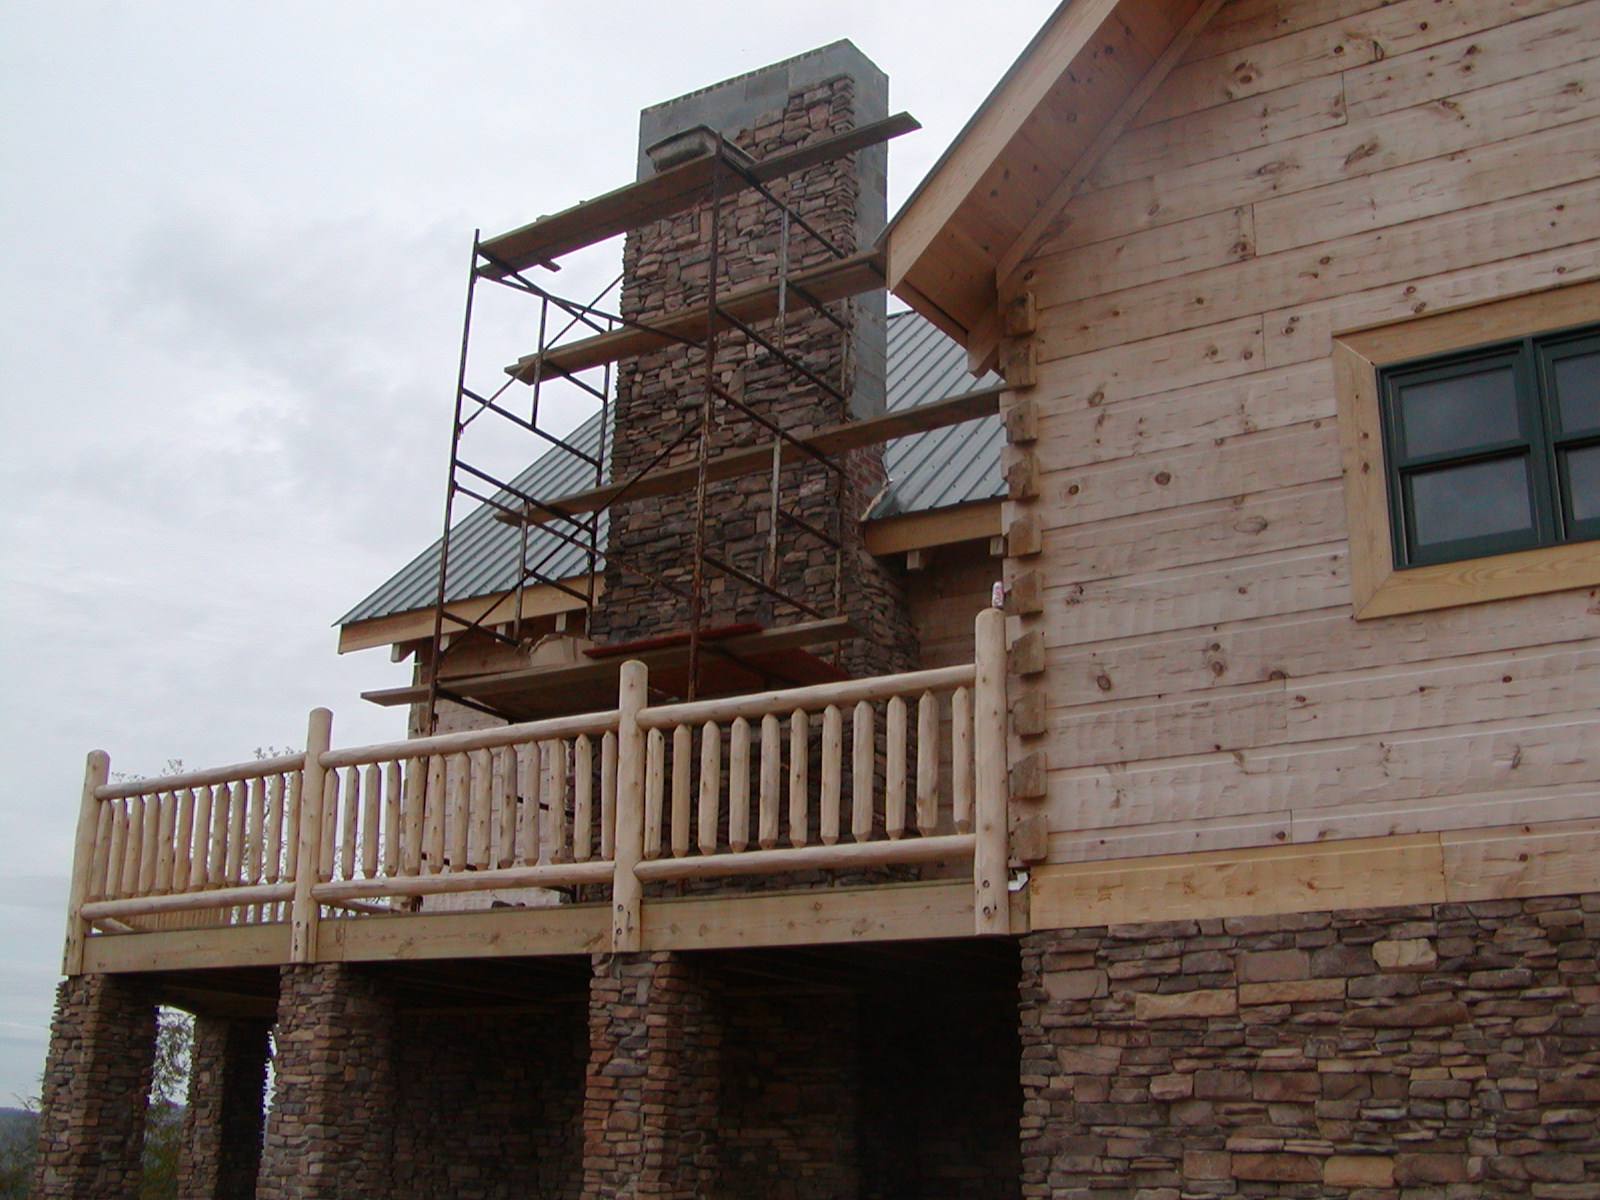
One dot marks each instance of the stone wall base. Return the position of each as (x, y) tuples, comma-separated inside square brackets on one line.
[(1439, 1052)]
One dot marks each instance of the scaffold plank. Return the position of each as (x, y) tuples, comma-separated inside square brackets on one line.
[(830, 281), (663, 195), (852, 435)]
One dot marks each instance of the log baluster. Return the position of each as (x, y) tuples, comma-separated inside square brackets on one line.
[(799, 782), (480, 801), (927, 764), (393, 807), (608, 795), (961, 759), (832, 770), (739, 785), (863, 768), (371, 806), (710, 787), (582, 799), (682, 768), (655, 770)]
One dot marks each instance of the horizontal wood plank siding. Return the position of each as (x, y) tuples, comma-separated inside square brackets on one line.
[(1309, 168)]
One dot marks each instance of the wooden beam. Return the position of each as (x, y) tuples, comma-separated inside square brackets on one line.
[(938, 527), (663, 195), (887, 912), (188, 949), (493, 608), (853, 435), (1361, 873), (830, 281), (955, 847), (500, 683)]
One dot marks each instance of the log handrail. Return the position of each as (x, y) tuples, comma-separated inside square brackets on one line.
[(813, 696), (759, 784)]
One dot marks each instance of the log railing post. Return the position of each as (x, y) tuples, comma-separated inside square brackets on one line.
[(625, 886), (991, 906), (96, 771), (308, 856)]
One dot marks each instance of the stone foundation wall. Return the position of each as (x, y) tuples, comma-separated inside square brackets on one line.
[(1428, 1053), (96, 1088), (222, 1127), (490, 1105)]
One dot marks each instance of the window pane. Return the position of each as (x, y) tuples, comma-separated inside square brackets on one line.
[(1583, 482), (1457, 413), (1578, 388), (1462, 502)]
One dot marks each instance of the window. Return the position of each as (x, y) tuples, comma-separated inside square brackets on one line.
[(1494, 450), (1471, 448)]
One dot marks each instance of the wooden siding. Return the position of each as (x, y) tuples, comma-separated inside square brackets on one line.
[(1309, 168)]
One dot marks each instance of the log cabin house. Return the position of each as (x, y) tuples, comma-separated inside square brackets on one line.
[(742, 848)]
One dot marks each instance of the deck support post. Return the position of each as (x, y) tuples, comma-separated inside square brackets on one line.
[(632, 695), (308, 855), (96, 1089), (991, 905), (223, 1121)]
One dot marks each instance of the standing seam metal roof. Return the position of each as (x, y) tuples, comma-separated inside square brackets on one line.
[(935, 469)]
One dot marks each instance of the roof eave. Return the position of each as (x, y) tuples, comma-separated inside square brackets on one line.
[(953, 244)]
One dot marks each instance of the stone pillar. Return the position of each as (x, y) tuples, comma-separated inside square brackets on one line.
[(221, 1150), (650, 1100), (331, 1128), (96, 1087)]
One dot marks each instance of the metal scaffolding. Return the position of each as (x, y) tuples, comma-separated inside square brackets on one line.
[(712, 180)]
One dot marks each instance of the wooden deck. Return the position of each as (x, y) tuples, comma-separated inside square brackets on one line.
[(544, 837)]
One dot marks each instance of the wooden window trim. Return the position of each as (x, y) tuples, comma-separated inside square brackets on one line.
[(1379, 588)]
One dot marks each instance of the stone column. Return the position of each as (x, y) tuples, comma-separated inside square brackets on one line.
[(650, 1100), (96, 1087), (221, 1150), (331, 1128)]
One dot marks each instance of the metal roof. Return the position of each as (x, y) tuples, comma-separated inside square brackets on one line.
[(936, 469)]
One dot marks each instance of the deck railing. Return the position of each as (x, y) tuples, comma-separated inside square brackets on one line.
[(770, 783)]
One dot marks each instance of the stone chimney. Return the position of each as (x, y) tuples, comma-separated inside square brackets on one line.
[(659, 395)]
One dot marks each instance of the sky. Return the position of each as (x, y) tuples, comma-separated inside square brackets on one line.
[(236, 241)]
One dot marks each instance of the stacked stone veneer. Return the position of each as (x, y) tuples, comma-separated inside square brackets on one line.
[(490, 1104), (221, 1151), (699, 1086), (650, 1100), (1430, 1053), (92, 1113), (659, 395)]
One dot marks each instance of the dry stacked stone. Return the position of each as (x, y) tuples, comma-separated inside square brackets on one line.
[(490, 1104), (650, 1097), (659, 396), (221, 1150), (96, 1088), (1431, 1053), (330, 1133)]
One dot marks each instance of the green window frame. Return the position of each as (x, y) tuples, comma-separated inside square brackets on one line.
[(1494, 449)]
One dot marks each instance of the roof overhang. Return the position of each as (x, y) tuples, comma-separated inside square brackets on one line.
[(994, 194)]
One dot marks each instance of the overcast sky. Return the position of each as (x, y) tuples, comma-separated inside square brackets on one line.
[(236, 236)]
